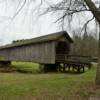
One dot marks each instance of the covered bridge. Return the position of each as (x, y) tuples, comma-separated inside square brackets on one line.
[(43, 50)]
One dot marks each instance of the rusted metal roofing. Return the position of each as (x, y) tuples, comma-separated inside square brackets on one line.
[(45, 38)]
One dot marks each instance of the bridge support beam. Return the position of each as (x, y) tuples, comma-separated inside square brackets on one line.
[(5, 66), (48, 67), (5, 63)]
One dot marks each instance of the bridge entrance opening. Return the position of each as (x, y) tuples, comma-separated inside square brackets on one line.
[(62, 50)]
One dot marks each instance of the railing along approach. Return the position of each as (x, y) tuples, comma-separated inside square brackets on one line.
[(73, 58)]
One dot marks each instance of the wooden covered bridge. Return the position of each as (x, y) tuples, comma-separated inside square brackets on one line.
[(50, 51)]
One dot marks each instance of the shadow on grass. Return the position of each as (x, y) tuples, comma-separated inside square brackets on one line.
[(29, 70)]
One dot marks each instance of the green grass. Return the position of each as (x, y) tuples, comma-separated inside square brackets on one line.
[(49, 86), (26, 67)]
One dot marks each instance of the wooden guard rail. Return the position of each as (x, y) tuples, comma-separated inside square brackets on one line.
[(73, 58)]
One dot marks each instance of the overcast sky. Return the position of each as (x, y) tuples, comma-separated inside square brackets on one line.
[(26, 25)]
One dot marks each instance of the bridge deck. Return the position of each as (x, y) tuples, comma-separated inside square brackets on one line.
[(73, 62)]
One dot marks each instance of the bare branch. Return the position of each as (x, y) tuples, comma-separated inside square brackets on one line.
[(70, 14), (86, 24), (19, 10)]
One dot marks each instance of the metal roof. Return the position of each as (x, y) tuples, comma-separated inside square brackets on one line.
[(45, 38)]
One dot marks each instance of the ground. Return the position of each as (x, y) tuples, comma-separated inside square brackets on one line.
[(49, 86)]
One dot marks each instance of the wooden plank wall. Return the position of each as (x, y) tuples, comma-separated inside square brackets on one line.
[(39, 53)]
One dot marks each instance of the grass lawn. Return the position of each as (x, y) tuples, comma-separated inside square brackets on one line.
[(26, 67), (49, 86)]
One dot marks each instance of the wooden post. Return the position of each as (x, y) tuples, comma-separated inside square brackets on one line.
[(83, 68), (48, 67), (78, 69), (63, 67), (69, 68), (73, 67)]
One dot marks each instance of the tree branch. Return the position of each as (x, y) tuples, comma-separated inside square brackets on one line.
[(19, 10), (85, 25), (71, 13), (95, 11)]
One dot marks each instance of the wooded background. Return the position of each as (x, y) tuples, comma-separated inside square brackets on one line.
[(84, 44)]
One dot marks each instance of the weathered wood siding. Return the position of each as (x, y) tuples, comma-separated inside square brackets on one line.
[(39, 52)]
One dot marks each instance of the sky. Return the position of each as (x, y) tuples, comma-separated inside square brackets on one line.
[(26, 24)]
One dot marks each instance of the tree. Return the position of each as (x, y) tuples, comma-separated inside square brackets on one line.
[(86, 40)]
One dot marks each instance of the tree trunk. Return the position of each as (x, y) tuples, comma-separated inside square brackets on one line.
[(96, 13), (98, 66)]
